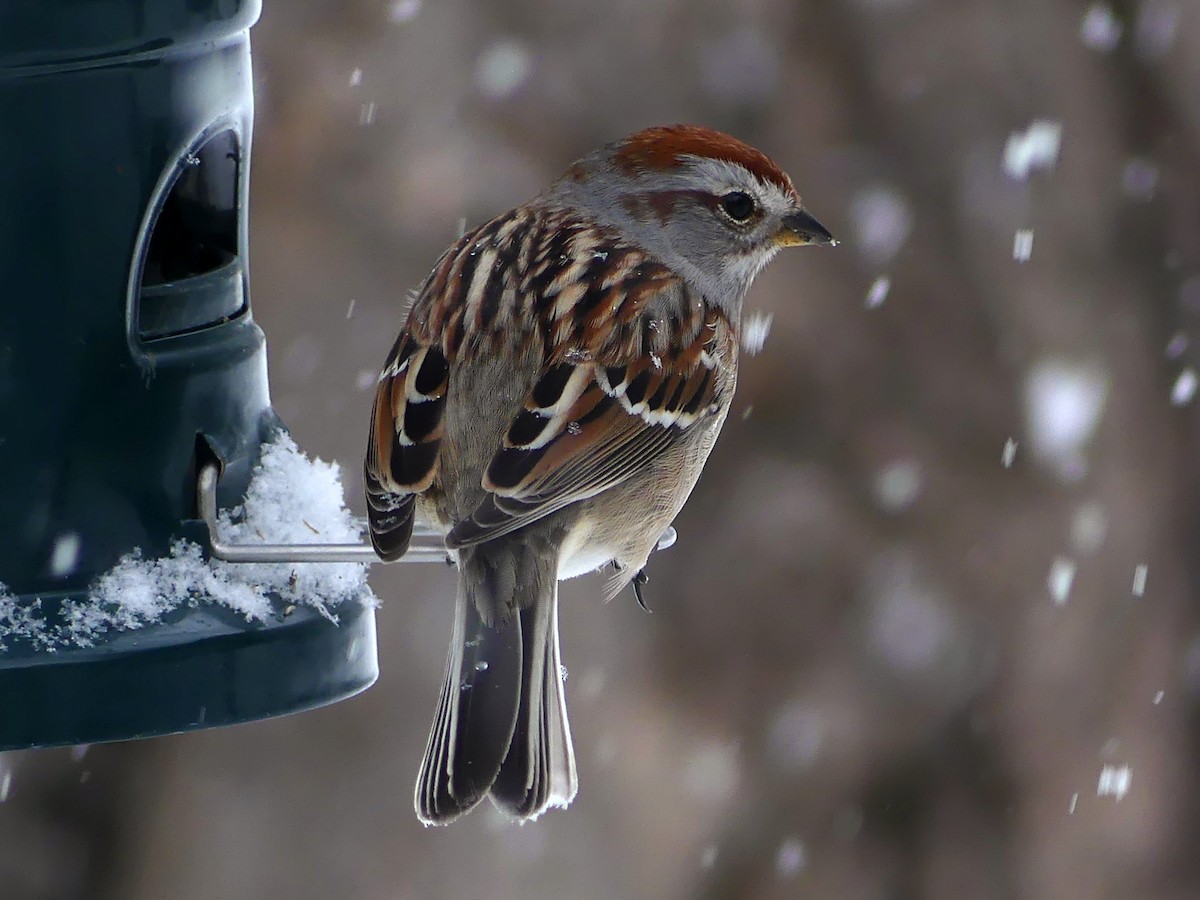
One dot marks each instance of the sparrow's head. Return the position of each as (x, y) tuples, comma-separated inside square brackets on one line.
[(708, 206)]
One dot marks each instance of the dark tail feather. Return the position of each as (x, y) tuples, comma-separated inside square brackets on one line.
[(475, 716), (539, 770), (501, 724)]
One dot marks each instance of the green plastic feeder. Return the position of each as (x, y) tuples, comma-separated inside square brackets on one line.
[(129, 359)]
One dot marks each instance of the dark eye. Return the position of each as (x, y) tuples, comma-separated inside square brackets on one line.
[(738, 206)]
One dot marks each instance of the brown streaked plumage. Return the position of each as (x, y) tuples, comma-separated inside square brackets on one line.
[(586, 294), (561, 377)]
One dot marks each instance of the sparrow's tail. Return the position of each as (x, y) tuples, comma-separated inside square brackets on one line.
[(501, 724)]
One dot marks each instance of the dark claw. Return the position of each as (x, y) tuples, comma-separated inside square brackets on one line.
[(639, 580)]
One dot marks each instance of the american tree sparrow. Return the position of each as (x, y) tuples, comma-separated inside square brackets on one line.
[(559, 382)]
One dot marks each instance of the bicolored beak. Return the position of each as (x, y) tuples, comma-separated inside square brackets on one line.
[(801, 228)]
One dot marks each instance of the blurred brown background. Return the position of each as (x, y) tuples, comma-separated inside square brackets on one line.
[(882, 664)]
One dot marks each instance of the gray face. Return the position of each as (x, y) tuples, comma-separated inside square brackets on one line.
[(710, 220)]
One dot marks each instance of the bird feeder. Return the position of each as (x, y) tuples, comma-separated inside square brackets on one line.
[(133, 379)]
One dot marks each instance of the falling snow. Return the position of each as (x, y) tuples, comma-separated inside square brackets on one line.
[(878, 291), (1184, 388), (1023, 245), (1060, 579), (882, 222), (898, 485), (1035, 148), (1063, 403), (791, 857), (910, 625), (1009, 454), (503, 68), (754, 334), (1139, 580), (711, 772), (402, 11), (1176, 345), (65, 555), (1114, 782), (1101, 29)]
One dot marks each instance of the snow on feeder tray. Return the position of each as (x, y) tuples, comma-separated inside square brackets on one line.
[(130, 370)]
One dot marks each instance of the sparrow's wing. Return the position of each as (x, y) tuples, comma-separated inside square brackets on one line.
[(632, 360), (402, 448), (600, 413), (451, 317)]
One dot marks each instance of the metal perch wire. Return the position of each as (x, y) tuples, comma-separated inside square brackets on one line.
[(427, 543)]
